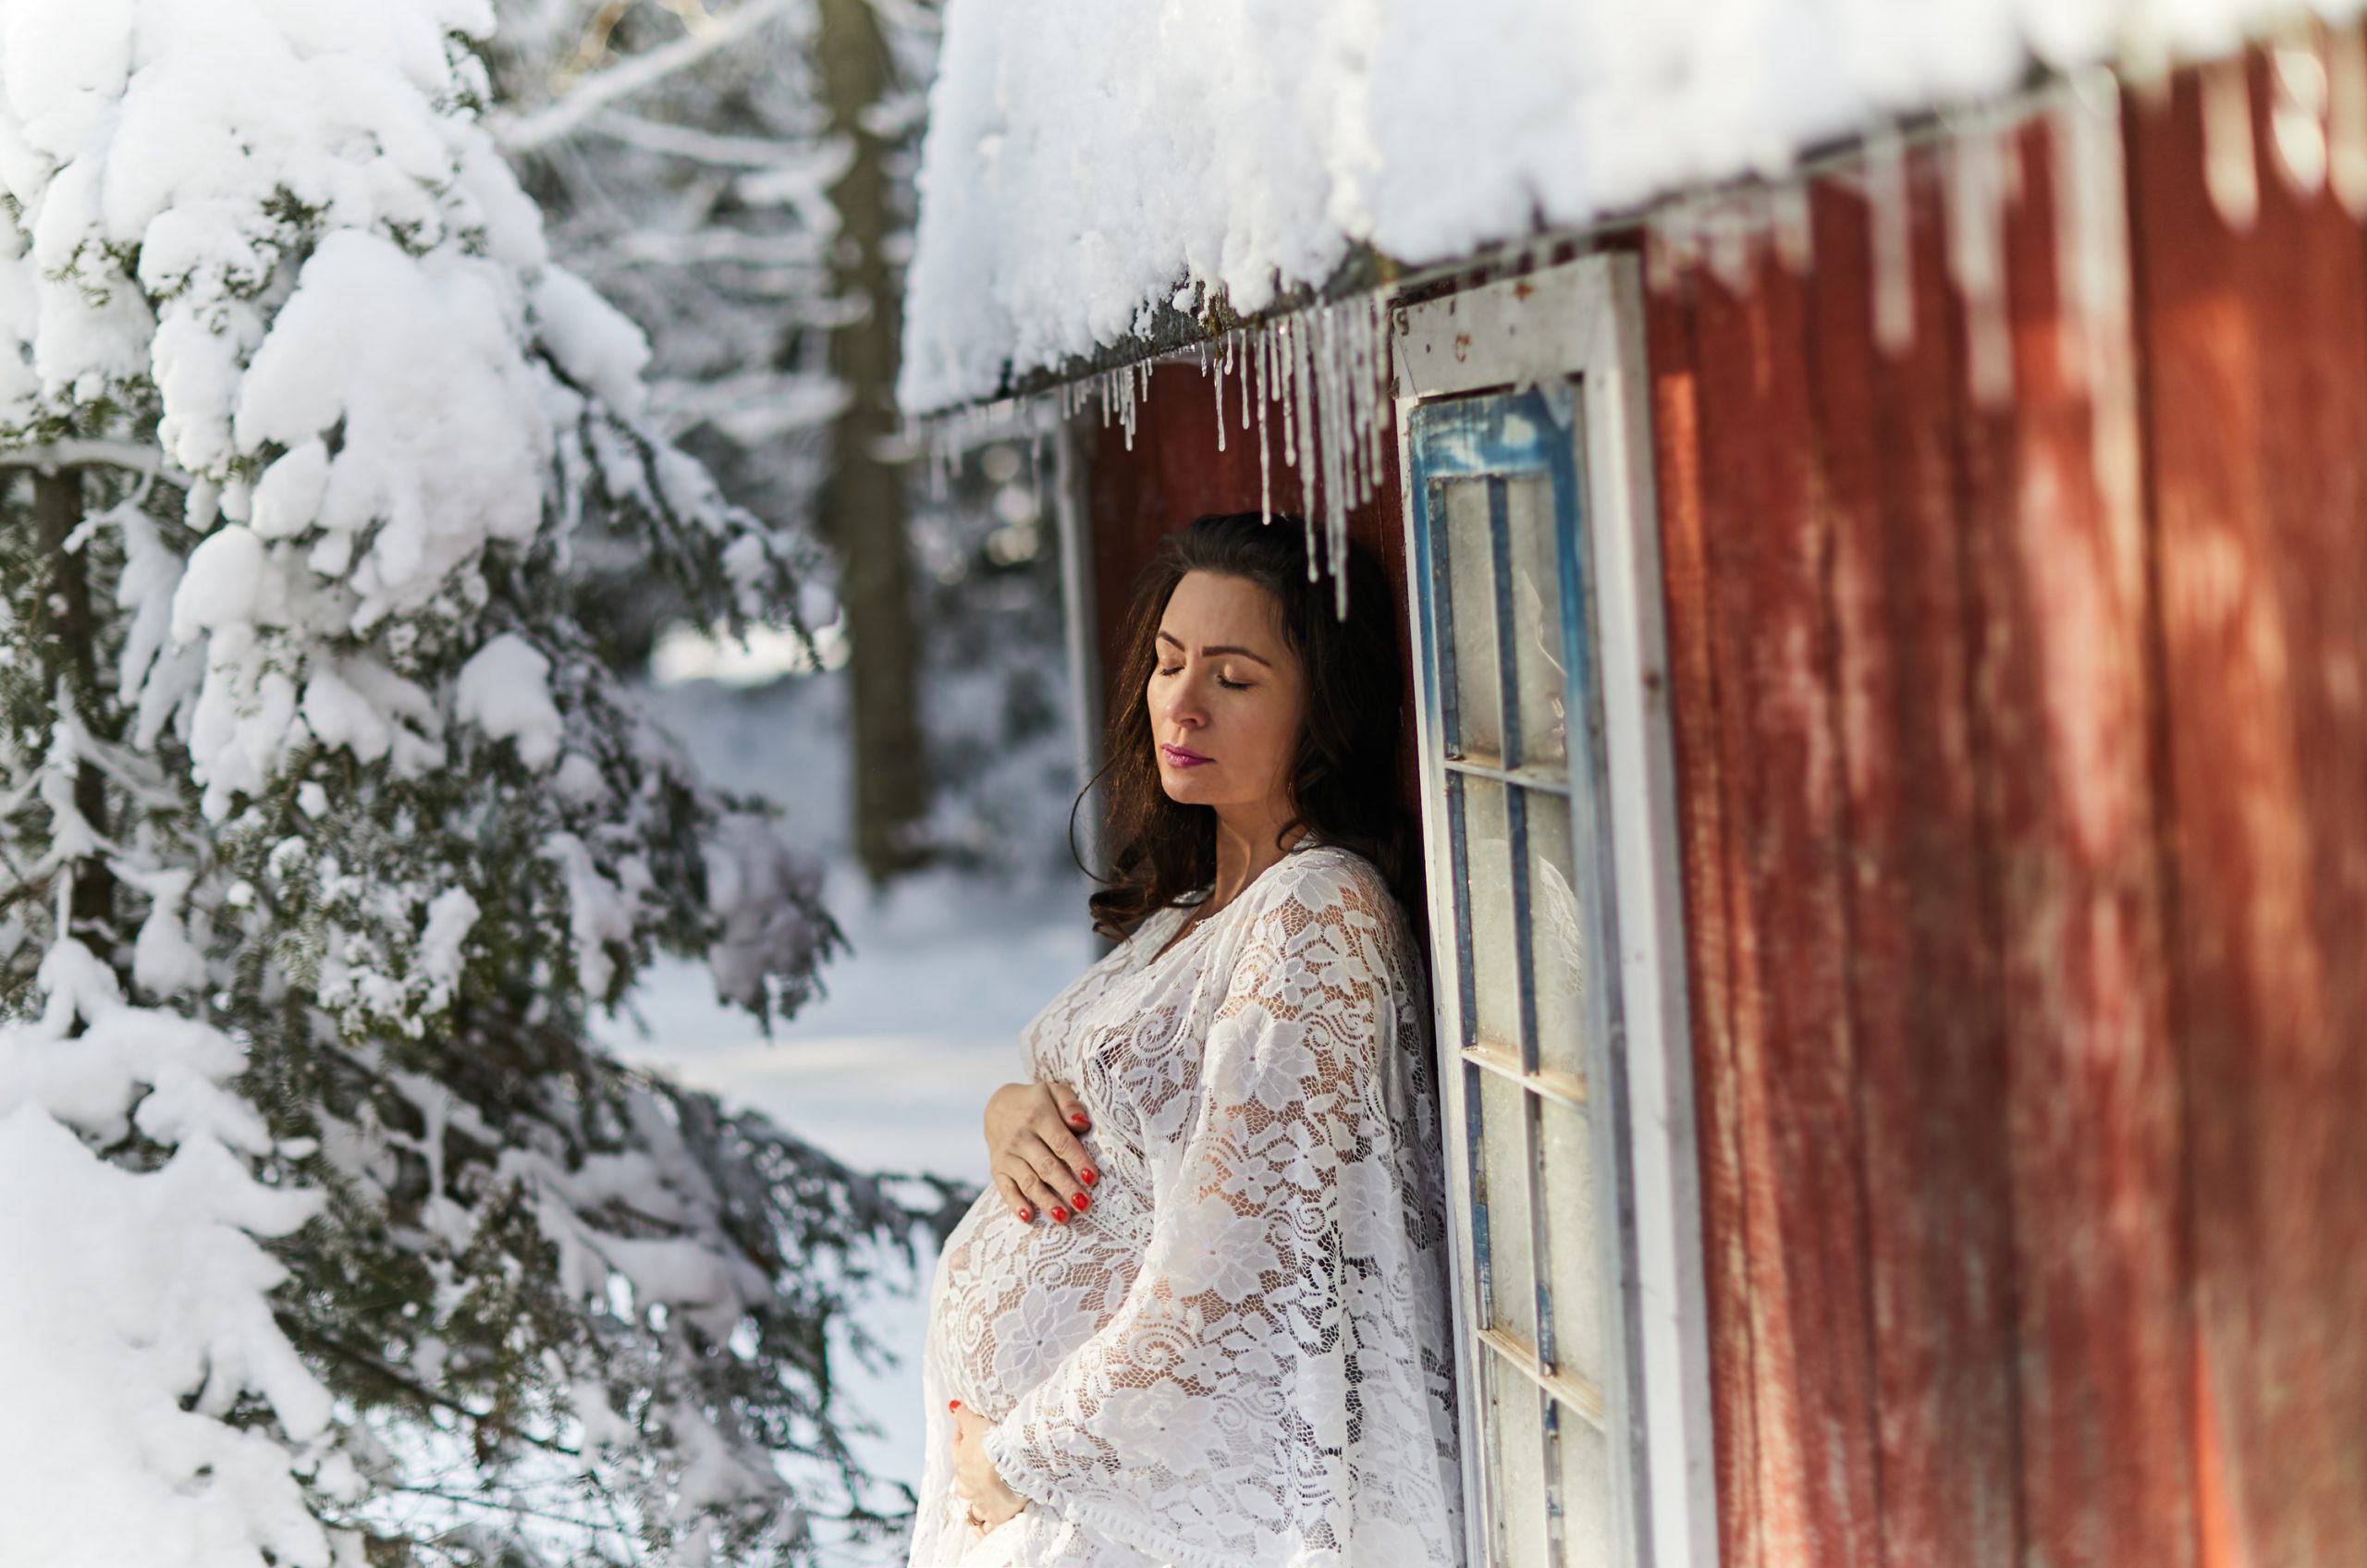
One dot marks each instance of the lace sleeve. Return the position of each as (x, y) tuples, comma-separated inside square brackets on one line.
[(1274, 1389)]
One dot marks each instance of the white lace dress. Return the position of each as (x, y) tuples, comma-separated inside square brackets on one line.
[(1238, 1355)]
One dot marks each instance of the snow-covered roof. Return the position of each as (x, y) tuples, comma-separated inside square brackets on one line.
[(1089, 161)]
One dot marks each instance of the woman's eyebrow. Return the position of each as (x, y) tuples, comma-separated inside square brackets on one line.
[(1212, 651)]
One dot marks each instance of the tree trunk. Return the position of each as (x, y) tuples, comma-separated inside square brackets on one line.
[(69, 634), (863, 507)]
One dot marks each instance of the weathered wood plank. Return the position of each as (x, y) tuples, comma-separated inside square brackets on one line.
[(1923, 950), (2257, 351), (1677, 439), (2063, 702), (1767, 548)]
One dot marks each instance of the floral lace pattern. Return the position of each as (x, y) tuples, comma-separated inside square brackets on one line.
[(1239, 1355)]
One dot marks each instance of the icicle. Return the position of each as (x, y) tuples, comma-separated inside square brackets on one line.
[(2091, 230), (2094, 282), (1384, 387), (2228, 172), (1298, 390), (1663, 264), (1891, 221), (1282, 379), (1036, 457), (1355, 370), (1303, 384), (1983, 168), (1265, 468), (1339, 444), (1362, 413), (2297, 116), (1323, 350), (1144, 367), (1219, 379), (1126, 402), (1734, 227), (2346, 119), (1248, 352), (1787, 213), (1359, 406)]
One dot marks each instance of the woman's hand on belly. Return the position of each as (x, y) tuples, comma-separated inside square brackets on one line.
[(1039, 1167), (976, 1479)]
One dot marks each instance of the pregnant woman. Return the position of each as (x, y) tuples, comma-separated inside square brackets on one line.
[(1200, 1320)]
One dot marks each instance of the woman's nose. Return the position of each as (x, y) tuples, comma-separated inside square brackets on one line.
[(1184, 704)]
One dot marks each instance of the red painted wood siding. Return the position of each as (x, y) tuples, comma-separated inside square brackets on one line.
[(2255, 378), (2023, 782)]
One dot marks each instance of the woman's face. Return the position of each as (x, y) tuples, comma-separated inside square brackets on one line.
[(1228, 699)]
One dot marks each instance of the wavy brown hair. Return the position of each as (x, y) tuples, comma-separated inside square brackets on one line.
[(1344, 782)]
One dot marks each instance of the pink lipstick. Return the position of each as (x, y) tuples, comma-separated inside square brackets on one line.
[(1178, 757)]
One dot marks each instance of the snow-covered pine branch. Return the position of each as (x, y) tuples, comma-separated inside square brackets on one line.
[(530, 132), (322, 824)]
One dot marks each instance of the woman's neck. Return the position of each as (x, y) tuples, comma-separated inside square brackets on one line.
[(1246, 849)]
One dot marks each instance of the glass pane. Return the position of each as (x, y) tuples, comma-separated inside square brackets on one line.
[(1520, 1468), (1495, 957), (1574, 1269), (1588, 1527), (1503, 1164), (1539, 660), (1556, 937), (1471, 586)]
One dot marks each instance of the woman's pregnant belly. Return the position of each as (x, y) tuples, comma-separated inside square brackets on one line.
[(1012, 1300)]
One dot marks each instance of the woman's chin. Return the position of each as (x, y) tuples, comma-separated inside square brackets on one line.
[(1181, 787)]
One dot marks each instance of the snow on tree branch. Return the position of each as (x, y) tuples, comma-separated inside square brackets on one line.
[(595, 93), (326, 823)]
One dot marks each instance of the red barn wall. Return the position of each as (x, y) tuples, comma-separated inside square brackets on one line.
[(2023, 802), (2024, 805)]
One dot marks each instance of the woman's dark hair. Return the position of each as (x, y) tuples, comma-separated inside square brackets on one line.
[(1345, 780)]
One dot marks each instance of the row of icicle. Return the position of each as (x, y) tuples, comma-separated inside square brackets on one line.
[(1325, 372), (1315, 384)]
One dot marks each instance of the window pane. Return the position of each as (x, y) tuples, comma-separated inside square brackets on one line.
[(1589, 1529), (1503, 1161), (1471, 587), (1538, 659), (1520, 1469), (1495, 960), (1572, 1266), (1556, 937)]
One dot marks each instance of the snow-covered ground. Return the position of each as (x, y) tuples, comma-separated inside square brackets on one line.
[(888, 1069)]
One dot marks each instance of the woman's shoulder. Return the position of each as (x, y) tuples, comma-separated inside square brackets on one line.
[(1326, 880), (1322, 908)]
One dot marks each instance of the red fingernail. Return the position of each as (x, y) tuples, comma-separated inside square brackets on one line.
[(1088, 1176), (953, 1404), (1076, 1121), (1026, 1216), (1060, 1214), (1079, 1199)]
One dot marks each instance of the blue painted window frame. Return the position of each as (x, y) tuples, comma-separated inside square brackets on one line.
[(1498, 439)]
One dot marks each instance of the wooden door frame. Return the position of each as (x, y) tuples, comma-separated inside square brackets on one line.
[(1584, 320)]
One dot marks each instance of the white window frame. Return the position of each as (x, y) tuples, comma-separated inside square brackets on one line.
[(1585, 319)]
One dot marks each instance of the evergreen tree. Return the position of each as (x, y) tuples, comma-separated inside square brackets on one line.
[(326, 823), (739, 181)]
